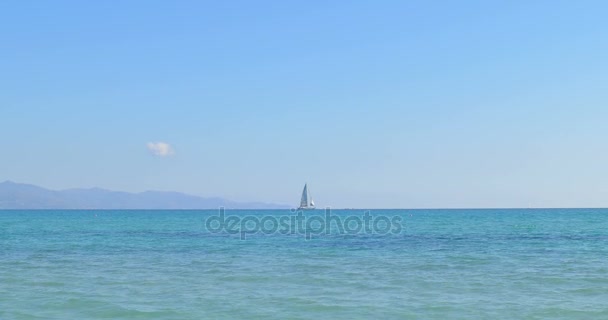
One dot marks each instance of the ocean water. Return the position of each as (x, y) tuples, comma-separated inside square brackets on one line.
[(445, 264)]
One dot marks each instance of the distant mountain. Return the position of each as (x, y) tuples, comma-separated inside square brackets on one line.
[(25, 196)]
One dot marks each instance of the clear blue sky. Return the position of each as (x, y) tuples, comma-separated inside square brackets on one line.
[(373, 103)]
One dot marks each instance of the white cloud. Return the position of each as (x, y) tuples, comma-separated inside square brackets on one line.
[(161, 149)]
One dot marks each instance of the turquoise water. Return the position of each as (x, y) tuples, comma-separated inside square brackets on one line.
[(445, 264)]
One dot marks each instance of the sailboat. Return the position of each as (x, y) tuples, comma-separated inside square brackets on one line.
[(306, 203)]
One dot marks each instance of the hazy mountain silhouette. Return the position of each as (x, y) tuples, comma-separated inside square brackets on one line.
[(26, 196)]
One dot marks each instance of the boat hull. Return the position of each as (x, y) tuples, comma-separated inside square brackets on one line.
[(306, 208)]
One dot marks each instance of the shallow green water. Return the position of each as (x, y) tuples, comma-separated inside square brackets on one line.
[(445, 264)]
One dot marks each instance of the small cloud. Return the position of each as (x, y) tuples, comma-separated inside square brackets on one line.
[(161, 149)]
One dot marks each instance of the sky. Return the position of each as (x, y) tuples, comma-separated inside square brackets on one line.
[(375, 104)]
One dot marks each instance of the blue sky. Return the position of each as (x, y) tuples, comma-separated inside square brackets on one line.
[(373, 103)]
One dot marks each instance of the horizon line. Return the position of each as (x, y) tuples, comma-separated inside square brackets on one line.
[(317, 209)]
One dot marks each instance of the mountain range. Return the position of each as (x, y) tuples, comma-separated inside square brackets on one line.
[(26, 196)]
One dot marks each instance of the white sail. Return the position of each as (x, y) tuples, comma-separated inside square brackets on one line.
[(306, 200)]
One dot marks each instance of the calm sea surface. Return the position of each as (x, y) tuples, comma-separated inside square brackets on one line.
[(445, 264)]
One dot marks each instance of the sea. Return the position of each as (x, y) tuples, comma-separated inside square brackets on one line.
[(174, 264)]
